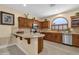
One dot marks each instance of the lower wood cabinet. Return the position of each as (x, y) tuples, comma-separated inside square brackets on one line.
[(75, 40), (54, 37), (40, 44), (57, 37)]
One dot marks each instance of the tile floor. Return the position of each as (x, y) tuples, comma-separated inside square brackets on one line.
[(50, 48), (11, 50)]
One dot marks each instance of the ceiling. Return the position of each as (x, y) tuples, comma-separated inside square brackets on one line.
[(43, 10)]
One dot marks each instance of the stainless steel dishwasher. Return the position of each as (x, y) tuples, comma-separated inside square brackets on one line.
[(67, 38)]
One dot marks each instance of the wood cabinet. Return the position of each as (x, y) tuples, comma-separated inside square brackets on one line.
[(75, 39), (57, 37), (45, 24), (54, 37), (26, 23), (74, 21), (40, 44), (29, 23), (21, 22), (47, 36), (37, 22)]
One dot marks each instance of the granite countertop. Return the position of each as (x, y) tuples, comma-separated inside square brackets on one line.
[(63, 32), (29, 35), (50, 31), (70, 32)]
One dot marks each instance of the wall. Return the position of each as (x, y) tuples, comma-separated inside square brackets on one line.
[(64, 14), (6, 30)]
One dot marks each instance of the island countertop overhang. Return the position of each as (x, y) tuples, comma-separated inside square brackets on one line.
[(29, 35)]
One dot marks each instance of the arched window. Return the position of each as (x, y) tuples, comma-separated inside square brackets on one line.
[(60, 23)]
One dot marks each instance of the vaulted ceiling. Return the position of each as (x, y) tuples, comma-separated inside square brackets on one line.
[(43, 10)]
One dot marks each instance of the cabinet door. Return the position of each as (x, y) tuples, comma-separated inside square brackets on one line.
[(45, 24), (75, 21), (75, 39), (30, 22), (46, 36), (21, 22), (58, 37), (40, 44), (53, 37), (37, 22), (49, 37)]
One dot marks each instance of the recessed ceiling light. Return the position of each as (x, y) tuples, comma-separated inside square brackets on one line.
[(24, 5)]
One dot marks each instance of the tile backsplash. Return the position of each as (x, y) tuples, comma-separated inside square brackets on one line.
[(76, 29)]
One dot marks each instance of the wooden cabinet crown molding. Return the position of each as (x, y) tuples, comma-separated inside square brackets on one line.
[(74, 17)]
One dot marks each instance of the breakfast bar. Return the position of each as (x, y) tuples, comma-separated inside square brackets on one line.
[(34, 41)]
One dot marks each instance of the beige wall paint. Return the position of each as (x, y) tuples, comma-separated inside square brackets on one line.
[(5, 30), (64, 14), (5, 33)]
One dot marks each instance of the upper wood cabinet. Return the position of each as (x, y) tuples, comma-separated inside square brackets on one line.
[(45, 24), (27, 23), (24, 22), (74, 21), (21, 22)]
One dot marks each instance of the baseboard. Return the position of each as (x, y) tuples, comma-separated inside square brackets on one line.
[(5, 46), (22, 49)]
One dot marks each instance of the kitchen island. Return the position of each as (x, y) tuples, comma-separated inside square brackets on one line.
[(31, 43)]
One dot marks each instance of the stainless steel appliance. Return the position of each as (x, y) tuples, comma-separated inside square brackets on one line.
[(67, 38), (34, 28)]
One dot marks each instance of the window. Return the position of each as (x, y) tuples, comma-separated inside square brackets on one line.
[(60, 23)]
